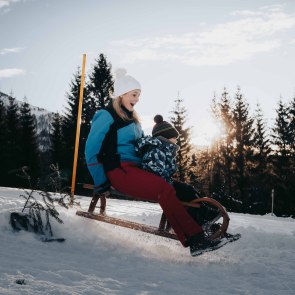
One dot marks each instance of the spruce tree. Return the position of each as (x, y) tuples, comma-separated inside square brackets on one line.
[(193, 172), (213, 156), (30, 155), (100, 87), (204, 170), (292, 156), (69, 126), (292, 128), (222, 152), (183, 158), (14, 142), (56, 147), (3, 144), (284, 184), (243, 126), (281, 133), (261, 142), (261, 177), (226, 141)]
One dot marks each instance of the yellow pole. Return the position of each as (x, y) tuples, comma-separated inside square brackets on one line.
[(78, 130)]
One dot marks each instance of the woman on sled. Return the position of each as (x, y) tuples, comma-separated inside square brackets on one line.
[(112, 161)]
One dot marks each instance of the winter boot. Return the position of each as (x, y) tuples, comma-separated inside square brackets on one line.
[(199, 244), (204, 214)]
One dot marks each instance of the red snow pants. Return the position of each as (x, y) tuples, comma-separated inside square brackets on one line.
[(142, 185)]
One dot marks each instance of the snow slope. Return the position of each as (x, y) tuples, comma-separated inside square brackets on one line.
[(100, 258)]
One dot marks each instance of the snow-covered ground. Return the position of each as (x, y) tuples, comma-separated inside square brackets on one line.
[(99, 258)]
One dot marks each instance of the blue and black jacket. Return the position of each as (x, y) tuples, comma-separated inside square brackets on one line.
[(158, 156), (111, 140)]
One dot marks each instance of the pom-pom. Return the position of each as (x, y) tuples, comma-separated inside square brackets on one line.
[(158, 119), (120, 72)]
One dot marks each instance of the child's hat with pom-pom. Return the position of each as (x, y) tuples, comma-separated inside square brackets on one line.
[(124, 83), (163, 128)]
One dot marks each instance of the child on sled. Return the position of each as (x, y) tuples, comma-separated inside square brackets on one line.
[(158, 155)]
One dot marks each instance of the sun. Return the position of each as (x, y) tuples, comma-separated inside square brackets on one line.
[(205, 132)]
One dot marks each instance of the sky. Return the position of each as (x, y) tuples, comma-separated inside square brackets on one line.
[(189, 48)]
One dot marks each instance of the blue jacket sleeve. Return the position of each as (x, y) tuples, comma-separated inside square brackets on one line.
[(101, 123)]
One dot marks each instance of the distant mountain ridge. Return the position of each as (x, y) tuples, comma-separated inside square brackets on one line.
[(43, 121)]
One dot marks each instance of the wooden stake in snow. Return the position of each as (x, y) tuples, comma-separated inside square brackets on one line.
[(78, 129)]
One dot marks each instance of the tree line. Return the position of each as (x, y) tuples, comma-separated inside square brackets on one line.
[(18, 132), (240, 169), (18, 143), (248, 162)]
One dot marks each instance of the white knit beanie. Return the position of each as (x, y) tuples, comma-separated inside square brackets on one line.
[(124, 83)]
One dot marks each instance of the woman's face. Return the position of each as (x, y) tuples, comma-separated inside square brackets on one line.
[(130, 99)]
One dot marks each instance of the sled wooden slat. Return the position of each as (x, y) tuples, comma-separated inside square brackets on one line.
[(128, 224), (164, 227)]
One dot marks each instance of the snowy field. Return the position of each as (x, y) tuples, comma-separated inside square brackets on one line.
[(99, 258)]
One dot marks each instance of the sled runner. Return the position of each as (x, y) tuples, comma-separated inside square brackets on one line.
[(213, 228)]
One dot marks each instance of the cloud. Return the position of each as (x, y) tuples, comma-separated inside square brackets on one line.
[(253, 32), (4, 51), (6, 4), (8, 73)]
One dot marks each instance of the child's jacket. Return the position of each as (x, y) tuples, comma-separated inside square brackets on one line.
[(158, 156)]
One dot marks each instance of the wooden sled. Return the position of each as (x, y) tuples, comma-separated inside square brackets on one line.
[(211, 229)]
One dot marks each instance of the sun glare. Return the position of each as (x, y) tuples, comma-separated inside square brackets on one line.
[(206, 132)]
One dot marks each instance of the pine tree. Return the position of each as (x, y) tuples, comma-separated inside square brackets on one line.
[(292, 129), (226, 141), (56, 147), (3, 144), (212, 157), (261, 177), (284, 176), (30, 155), (14, 143), (69, 126), (100, 88), (204, 169), (178, 120), (243, 126), (222, 153), (193, 174), (281, 131), (261, 142), (291, 205)]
